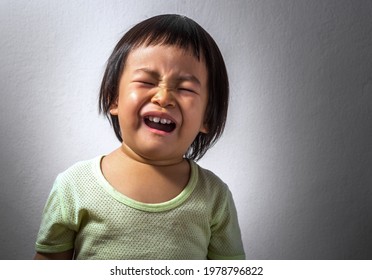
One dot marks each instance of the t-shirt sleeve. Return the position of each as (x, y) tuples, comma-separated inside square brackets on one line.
[(55, 234), (226, 242)]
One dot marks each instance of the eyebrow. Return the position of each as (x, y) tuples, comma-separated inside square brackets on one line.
[(181, 78)]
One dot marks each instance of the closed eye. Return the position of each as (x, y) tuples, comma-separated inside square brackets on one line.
[(187, 89), (146, 83)]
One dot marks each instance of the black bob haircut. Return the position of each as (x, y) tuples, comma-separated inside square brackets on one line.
[(182, 32)]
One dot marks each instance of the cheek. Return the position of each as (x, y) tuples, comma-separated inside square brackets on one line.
[(199, 105), (128, 110), (133, 98), (129, 101), (194, 112)]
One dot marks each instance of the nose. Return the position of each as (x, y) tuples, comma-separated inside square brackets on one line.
[(164, 98)]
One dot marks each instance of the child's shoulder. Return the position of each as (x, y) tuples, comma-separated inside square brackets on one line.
[(80, 171), (207, 174), (208, 179)]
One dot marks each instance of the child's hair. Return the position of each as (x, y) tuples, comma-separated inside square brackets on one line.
[(184, 33)]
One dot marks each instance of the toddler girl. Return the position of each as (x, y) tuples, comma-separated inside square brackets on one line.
[(165, 91)]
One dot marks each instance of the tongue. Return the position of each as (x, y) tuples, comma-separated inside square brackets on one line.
[(159, 126)]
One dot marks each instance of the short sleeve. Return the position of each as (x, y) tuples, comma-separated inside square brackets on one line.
[(226, 242), (55, 234)]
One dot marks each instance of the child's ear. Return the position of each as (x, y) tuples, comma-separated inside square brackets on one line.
[(204, 128), (114, 109)]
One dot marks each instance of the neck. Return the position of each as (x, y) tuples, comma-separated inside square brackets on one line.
[(145, 180), (127, 153)]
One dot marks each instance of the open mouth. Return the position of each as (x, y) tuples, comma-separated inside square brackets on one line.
[(161, 124)]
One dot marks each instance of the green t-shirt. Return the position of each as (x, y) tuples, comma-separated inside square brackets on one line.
[(85, 213)]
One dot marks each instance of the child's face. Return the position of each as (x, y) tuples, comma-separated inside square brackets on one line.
[(161, 104)]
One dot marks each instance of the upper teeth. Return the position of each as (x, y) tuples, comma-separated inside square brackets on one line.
[(161, 120)]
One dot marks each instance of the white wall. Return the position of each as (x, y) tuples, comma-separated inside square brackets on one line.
[(297, 150)]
